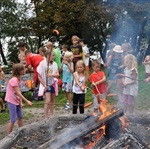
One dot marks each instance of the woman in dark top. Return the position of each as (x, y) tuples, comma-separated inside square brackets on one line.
[(115, 66)]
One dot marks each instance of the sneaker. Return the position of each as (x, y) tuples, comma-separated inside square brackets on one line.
[(67, 108)]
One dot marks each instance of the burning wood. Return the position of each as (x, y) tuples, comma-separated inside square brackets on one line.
[(76, 134)]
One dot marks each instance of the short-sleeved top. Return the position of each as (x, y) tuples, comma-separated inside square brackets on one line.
[(131, 89), (52, 69), (57, 57), (76, 50), (11, 95), (86, 59), (76, 88), (95, 77), (67, 76), (115, 63), (147, 67), (33, 60)]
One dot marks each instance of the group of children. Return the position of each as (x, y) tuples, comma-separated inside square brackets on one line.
[(75, 75)]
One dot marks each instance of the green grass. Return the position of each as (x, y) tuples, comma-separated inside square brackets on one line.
[(142, 101)]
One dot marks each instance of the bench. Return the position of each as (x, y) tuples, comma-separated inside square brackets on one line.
[(24, 87)]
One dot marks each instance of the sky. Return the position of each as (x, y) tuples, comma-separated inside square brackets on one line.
[(22, 1)]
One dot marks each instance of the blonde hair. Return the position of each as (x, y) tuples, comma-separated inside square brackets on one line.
[(94, 62), (130, 61), (49, 45), (81, 62), (75, 37), (69, 54), (147, 58)]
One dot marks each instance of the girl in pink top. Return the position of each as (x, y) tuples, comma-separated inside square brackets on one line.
[(14, 96)]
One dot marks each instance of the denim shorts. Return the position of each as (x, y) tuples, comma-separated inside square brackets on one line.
[(50, 89)]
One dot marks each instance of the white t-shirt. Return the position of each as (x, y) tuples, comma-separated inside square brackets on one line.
[(52, 69), (86, 51)]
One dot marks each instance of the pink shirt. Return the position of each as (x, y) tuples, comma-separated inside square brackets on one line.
[(11, 95)]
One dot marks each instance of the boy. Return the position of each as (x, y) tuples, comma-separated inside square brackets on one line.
[(76, 49), (86, 54), (98, 82)]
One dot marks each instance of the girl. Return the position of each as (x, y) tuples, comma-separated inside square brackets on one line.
[(130, 82), (67, 77), (98, 82), (47, 74), (79, 87), (147, 65), (14, 96), (42, 51)]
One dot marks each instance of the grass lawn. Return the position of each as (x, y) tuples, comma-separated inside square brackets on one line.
[(142, 101)]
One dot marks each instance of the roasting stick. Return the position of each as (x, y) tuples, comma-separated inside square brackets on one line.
[(119, 74)]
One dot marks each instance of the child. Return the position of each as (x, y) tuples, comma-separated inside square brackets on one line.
[(147, 65), (67, 77), (86, 54), (2, 76), (130, 82), (79, 87), (47, 74), (98, 81), (14, 96), (3, 107), (65, 49), (76, 49), (22, 49), (42, 51)]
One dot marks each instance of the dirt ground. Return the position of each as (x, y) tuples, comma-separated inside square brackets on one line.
[(36, 114), (139, 122)]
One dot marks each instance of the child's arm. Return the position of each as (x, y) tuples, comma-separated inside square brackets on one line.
[(56, 75), (108, 60), (18, 92), (71, 69), (2, 76), (134, 78), (101, 81), (76, 79)]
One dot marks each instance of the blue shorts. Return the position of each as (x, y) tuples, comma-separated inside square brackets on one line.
[(50, 89), (14, 111)]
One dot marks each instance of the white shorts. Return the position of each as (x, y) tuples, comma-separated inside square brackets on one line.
[(95, 101)]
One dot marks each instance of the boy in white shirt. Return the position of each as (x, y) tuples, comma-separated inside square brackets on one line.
[(85, 54)]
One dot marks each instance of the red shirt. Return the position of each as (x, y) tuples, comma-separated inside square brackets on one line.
[(33, 60), (95, 77)]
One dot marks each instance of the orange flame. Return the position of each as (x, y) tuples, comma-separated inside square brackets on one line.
[(94, 137)]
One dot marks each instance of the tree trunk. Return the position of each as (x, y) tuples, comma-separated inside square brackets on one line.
[(2, 54), (140, 36)]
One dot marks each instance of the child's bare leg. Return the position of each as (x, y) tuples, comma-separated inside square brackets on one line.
[(110, 83), (68, 94), (10, 127), (47, 104), (120, 90), (131, 104), (2, 104), (20, 122), (52, 102)]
